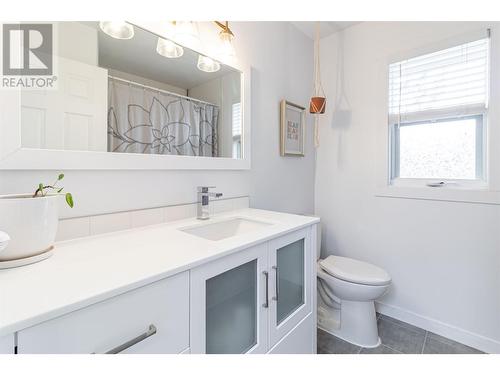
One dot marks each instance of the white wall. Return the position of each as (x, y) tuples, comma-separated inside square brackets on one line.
[(281, 58), (444, 257)]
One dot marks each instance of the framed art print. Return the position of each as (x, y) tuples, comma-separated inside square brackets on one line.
[(292, 129)]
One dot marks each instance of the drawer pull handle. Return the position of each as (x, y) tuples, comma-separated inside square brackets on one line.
[(120, 348), (275, 268), (266, 275)]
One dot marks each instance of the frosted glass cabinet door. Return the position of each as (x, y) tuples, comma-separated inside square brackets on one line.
[(228, 313), (231, 310), (290, 262), (290, 279)]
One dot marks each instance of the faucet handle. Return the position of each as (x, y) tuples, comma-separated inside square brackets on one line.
[(204, 189)]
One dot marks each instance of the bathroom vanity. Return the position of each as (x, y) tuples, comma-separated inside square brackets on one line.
[(241, 282)]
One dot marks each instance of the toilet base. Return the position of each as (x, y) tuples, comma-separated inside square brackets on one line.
[(358, 324)]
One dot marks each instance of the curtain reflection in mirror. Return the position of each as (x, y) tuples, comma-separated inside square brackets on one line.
[(148, 121)]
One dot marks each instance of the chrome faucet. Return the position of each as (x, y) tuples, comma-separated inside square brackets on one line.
[(203, 200)]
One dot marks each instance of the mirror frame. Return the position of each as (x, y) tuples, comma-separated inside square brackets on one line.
[(15, 157)]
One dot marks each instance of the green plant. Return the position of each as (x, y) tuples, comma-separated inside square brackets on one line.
[(42, 190)]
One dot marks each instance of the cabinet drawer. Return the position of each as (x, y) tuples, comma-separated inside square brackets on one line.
[(151, 319)]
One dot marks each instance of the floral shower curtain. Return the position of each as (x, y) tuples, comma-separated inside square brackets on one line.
[(147, 121)]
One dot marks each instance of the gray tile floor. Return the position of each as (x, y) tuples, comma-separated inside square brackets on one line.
[(397, 338)]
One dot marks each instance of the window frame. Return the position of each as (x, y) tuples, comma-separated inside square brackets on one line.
[(441, 115), (488, 195), (481, 180)]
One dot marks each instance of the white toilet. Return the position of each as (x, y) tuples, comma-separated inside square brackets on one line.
[(347, 289)]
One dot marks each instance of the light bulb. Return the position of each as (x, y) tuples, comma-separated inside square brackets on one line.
[(169, 49), (206, 64), (186, 34), (117, 29)]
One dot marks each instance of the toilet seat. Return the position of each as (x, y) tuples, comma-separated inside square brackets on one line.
[(354, 271)]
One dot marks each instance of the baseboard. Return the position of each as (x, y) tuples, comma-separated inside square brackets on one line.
[(460, 335)]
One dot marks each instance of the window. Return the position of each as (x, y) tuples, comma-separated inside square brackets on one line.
[(437, 115), (442, 149), (236, 121)]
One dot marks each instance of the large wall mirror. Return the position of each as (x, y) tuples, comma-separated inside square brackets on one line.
[(139, 95)]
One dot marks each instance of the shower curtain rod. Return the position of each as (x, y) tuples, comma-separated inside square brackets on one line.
[(160, 90)]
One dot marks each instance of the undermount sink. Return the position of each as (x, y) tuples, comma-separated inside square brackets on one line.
[(221, 230)]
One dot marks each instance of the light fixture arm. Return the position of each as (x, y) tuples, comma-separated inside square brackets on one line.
[(224, 26)]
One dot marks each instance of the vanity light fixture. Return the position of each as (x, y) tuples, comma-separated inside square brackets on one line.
[(226, 36), (169, 49), (117, 29), (206, 64)]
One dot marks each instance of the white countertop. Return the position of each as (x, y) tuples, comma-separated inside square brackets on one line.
[(89, 270)]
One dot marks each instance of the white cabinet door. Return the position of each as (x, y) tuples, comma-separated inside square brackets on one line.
[(290, 264), (229, 304), (149, 320), (7, 344), (72, 116)]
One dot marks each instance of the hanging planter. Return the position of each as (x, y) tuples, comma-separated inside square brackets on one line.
[(317, 104)]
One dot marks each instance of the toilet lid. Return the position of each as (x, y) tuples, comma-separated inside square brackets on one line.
[(354, 271)]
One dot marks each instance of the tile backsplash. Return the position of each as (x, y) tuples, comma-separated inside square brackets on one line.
[(98, 224)]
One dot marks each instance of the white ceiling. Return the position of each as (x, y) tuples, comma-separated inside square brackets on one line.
[(326, 27)]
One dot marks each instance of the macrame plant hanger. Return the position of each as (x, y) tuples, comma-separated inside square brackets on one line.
[(318, 100)]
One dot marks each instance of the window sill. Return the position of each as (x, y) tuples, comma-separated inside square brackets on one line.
[(449, 194)]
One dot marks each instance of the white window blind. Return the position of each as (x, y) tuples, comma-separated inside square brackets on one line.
[(452, 79), (236, 119)]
